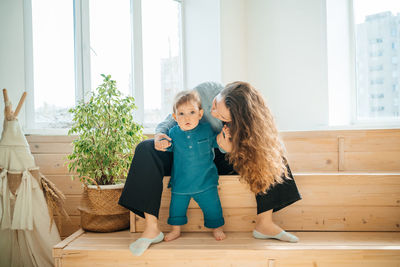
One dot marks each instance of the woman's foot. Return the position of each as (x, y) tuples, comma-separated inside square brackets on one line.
[(152, 230), (269, 228), (266, 228), (174, 234), (265, 225), (219, 234)]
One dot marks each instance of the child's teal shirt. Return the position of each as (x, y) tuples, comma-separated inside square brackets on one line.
[(193, 169)]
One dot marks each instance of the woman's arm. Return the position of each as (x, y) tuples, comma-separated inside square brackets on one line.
[(224, 139), (166, 125), (161, 138)]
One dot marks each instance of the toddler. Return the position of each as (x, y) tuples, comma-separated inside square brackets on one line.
[(194, 174)]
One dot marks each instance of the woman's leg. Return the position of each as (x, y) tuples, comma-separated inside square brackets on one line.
[(143, 187), (276, 198)]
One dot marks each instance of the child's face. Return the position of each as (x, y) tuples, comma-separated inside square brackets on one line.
[(188, 115)]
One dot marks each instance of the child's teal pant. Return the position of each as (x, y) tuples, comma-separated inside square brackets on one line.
[(208, 201)]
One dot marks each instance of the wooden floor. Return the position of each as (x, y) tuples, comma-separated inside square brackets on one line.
[(239, 249)]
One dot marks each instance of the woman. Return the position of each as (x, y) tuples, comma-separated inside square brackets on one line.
[(250, 138)]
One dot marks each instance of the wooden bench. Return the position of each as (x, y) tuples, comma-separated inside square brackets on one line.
[(342, 220), (349, 214)]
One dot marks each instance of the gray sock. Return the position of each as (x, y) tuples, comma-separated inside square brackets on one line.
[(284, 236)]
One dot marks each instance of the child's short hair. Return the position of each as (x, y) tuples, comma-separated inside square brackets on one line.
[(185, 97)]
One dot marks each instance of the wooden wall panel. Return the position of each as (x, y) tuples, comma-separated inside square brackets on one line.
[(363, 150), (52, 164), (372, 161), (66, 184), (51, 148), (313, 162), (295, 218), (330, 202)]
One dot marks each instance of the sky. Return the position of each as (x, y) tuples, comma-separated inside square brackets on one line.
[(362, 8)]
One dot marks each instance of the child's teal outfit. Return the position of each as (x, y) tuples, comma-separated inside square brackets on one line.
[(194, 174)]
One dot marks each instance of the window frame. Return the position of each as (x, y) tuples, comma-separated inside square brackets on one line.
[(82, 63)]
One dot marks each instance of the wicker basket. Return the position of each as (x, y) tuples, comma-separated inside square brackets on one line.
[(100, 211)]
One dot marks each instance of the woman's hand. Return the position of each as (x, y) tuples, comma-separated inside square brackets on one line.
[(161, 141), (224, 139)]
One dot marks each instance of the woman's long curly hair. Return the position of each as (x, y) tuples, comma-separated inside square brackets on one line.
[(257, 153)]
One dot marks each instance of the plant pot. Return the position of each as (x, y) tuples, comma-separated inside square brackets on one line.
[(100, 211)]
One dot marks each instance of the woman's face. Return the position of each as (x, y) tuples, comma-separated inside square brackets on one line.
[(219, 109)]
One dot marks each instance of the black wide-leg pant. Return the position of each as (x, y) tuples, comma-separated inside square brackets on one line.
[(144, 185)]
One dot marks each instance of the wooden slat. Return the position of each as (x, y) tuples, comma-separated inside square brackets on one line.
[(66, 184), (51, 164), (314, 145), (316, 190), (296, 218), (353, 218), (317, 162), (349, 189), (51, 148), (49, 138), (372, 161), (373, 142)]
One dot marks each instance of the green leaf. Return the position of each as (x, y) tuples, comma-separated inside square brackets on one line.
[(107, 134)]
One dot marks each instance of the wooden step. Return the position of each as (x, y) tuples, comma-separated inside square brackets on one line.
[(330, 202), (321, 249)]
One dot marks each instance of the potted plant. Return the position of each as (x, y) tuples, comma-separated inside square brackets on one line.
[(102, 153)]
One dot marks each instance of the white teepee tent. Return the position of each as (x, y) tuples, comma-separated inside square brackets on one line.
[(27, 235)]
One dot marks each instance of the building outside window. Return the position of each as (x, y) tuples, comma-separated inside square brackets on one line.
[(377, 30)]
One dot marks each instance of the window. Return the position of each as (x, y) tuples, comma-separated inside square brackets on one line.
[(162, 60), (110, 42), (53, 63), (376, 27), (70, 43)]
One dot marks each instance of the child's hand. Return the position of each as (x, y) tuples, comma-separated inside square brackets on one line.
[(224, 139), (161, 142)]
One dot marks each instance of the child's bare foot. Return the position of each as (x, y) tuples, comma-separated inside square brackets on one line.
[(219, 234), (174, 234)]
